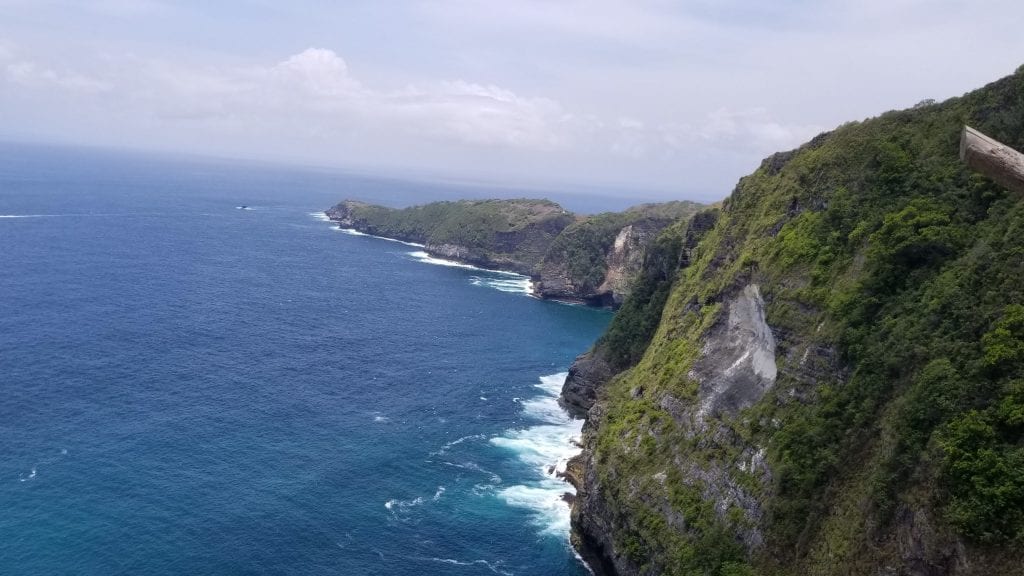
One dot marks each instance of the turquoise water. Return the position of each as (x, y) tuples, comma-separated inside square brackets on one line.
[(193, 388)]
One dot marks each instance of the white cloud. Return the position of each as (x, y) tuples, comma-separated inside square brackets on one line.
[(316, 87), (312, 106), (319, 71), (479, 114), (753, 128), (30, 75)]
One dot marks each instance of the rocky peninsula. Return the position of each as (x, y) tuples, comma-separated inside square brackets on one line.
[(824, 376), (588, 259)]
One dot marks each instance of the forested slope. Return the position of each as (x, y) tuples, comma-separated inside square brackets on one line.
[(835, 384)]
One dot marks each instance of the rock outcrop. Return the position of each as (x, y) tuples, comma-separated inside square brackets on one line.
[(598, 258), (737, 365), (587, 375)]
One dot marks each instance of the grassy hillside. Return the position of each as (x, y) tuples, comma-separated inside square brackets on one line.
[(570, 256), (511, 234), (892, 440)]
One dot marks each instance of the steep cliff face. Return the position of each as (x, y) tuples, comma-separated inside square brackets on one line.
[(598, 258), (591, 259), (632, 328), (833, 384)]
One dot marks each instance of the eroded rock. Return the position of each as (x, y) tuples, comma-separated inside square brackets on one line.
[(737, 365)]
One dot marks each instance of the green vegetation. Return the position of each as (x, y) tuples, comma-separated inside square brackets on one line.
[(892, 279), (510, 234), (533, 237), (582, 247), (633, 327)]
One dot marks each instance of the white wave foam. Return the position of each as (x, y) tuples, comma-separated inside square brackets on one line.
[(428, 259), (481, 489), (354, 232), (493, 567), (473, 466), (396, 504), (321, 216), (29, 215), (550, 511), (397, 507), (448, 446), (44, 462), (552, 385), (496, 279), (547, 448), (521, 285), (546, 409)]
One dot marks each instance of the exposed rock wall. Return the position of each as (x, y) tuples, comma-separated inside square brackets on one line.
[(626, 257), (587, 375), (663, 259), (737, 364), (735, 368)]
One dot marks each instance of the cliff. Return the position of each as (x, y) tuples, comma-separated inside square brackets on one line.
[(632, 328), (598, 258), (590, 259), (827, 379)]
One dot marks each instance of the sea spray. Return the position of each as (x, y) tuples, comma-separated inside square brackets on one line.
[(354, 232), (547, 448), (521, 285), (496, 279)]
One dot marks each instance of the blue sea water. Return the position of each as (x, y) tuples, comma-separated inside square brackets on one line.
[(187, 387)]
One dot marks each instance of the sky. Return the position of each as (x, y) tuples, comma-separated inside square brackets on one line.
[(675, 98)]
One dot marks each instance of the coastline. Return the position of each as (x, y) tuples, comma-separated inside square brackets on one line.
[(558, 470), (445, 260), (354, 232), (469, 266)]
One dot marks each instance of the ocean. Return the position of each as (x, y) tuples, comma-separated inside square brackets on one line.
[(190, 387)]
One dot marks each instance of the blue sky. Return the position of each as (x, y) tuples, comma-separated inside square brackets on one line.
[(677, 97)]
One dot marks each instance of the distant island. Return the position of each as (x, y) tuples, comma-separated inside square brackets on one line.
[(593, 260)]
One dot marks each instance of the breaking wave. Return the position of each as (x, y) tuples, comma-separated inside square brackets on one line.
[(354, 232), (547, 448), (492, 566), (496, 279), (521, 285)]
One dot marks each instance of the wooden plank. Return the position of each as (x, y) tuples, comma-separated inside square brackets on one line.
[(992, 158)]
